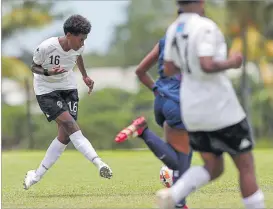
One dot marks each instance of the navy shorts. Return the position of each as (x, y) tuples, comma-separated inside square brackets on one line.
[(165, 109)]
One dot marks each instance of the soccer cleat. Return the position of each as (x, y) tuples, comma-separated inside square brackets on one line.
[(133, 130), (182, 207), (30, 179), (164, 199), (105, 171)]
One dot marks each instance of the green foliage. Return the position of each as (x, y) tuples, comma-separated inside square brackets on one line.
[(43, 132), (255, 12), (261, 107), (13, 125), (13, 68), (103, 114), (26, 14), (146, 23), (23, 15)]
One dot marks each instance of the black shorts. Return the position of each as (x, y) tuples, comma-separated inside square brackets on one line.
[(55, 103), (234, 140)]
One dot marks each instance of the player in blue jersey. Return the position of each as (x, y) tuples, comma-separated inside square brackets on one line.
[(175, 152)]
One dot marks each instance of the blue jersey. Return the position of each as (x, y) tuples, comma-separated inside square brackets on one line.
[(168, 86)]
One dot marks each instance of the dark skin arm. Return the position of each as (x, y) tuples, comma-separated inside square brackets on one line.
[(38, 69), (211, 66), (88, 81), (81, 67), (208, 65), (145, 65)]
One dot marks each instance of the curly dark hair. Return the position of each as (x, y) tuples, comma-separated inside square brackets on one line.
[(77, 24)]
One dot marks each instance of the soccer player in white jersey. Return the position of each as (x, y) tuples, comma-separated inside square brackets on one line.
[(56, 92), (212, 114)]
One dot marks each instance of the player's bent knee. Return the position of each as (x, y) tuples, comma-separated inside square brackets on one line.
[(63, 137), (177, 138), (70, 126), (219, 170), (179, 141), (68, 123), (215, 171), (213, 164)]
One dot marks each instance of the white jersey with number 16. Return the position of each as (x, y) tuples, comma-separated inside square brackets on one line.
[(49, 54)]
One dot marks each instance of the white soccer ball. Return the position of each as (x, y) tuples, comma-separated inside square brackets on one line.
[(166, 176)]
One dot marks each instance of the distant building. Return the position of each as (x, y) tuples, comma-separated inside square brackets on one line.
[(14, 94)]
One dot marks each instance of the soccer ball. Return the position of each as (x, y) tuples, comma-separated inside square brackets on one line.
[(166, 176)]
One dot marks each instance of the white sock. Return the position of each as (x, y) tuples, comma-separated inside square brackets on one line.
[(85, 147), (53, 153), (193, 178), (255, 201)]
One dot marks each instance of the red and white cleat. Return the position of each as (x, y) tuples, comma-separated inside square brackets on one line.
[(133, 130), (182, 207)]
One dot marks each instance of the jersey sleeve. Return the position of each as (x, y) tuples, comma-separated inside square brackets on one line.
[(206, 41), (39, 55), (80, 51)]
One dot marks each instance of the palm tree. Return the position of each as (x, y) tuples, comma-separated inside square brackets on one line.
[(17, 17), (249, 23)]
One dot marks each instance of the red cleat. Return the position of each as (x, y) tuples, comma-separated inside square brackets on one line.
[(133, 130)]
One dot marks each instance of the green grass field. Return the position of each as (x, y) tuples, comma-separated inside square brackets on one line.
[(74, 183)]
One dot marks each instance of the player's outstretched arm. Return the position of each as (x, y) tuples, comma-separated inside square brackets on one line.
[(145, 65), (209, 65), (206, 48)]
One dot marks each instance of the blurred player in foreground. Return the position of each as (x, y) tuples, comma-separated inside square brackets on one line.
[(56, 92), (175, 153), (214, 118)]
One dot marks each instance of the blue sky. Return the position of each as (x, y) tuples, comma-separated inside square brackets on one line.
[(103, 15)]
